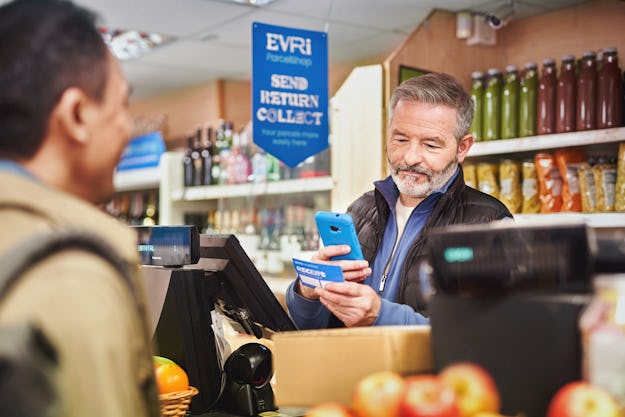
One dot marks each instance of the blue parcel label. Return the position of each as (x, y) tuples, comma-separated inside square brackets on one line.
[(317, 275)]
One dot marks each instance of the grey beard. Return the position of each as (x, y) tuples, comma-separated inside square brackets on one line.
[(435, 180)]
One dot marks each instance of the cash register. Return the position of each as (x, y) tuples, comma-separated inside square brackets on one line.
[(508, 296), (187, 278)]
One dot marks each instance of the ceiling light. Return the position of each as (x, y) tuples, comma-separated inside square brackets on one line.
[(257, 3), (131, 44)]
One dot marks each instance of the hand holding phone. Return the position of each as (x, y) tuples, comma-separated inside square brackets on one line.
[(338, 229)]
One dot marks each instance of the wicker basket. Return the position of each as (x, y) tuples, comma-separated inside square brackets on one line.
[(176, 404)]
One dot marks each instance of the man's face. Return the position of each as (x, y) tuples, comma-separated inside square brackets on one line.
[(422, 151), (110, 133)]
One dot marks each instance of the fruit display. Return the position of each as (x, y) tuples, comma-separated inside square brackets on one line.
[(461, 389)]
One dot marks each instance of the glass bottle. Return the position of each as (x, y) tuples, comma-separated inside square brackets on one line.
[(205, 154), (215, 160), (196, 157), (527, 100), (602, 326), (565, 96), (491, 116), (187, 163), (609, 91), (585, 115), (477, 95), (510, 103), (545, 112)]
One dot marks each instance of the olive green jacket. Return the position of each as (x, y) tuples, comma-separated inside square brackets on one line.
[(81, 303)]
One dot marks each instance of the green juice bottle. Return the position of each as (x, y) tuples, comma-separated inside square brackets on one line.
[(527, 100), (477, 95), (510, 103), (491, 113)]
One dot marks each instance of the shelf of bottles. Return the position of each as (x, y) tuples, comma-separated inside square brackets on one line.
[(223, 183), (136, 207), (549, 145)]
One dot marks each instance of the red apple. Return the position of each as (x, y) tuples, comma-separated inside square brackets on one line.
[(426, 396), (378, 395), (329, 409), (474, 387), (580, 399)]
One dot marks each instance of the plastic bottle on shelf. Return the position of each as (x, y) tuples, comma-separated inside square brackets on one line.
[(527, 100), (259, 166), (565, 96), (602, 327), (545, 112), (477, 95), (244, 165), (609, 91), (510, 103), (491, 116), (586, 108)]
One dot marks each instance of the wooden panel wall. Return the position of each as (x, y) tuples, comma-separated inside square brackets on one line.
[(591, 26), (184, 109), (433, 46)]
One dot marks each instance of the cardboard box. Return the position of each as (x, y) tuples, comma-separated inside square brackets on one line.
[(315, 366)]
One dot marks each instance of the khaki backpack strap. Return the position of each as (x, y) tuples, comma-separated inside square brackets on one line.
[(21, 257), (25, 254)]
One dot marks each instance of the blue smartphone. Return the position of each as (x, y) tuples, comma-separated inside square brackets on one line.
[(338, 229)]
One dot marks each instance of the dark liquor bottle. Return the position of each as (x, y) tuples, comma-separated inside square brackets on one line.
[(187, 163), (196, 157), (215, 159), (206, 156)]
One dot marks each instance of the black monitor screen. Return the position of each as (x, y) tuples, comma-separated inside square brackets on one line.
[(243, 296)]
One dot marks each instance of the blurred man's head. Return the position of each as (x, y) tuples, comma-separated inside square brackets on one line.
[(63, 97)]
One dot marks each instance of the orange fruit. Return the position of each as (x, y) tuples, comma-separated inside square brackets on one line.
[(171, 378)]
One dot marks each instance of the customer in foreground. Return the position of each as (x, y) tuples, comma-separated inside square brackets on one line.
[(65, 123)]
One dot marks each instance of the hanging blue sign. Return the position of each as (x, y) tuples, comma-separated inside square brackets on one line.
[(290, 91), (142, 152)]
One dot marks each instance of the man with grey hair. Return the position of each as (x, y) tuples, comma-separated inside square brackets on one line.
[(428, 137)]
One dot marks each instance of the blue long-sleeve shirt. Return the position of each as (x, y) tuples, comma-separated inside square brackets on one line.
[(311, 314)]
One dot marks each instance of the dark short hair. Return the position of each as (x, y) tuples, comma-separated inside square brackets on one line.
[(437, 88), (46, 47)]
